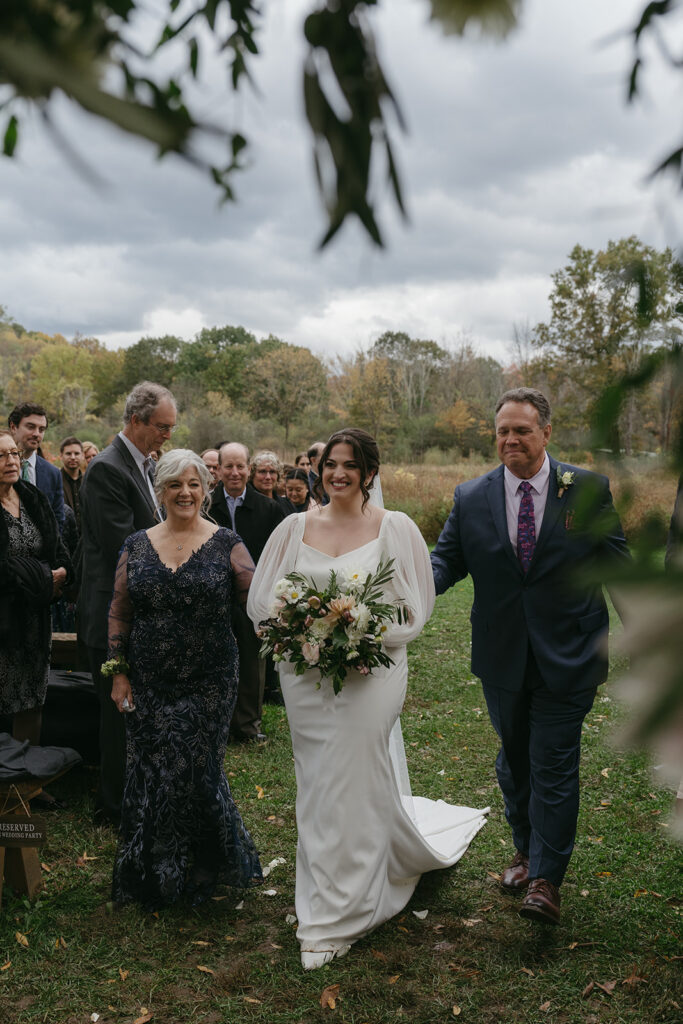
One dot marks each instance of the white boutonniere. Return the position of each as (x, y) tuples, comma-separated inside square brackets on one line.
[(564, 480)]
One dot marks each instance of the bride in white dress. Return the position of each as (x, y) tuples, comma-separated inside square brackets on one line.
[(363, 840)]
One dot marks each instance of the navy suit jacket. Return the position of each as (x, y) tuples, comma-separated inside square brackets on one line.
[(49, 481), (114, 503), (562, 616)]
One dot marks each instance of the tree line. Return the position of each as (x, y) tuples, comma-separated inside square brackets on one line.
[(607, 310)]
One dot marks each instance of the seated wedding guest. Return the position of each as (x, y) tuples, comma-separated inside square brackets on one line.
[(296, 489), (302, 461), (90, 450), (240, 507), (71, 452), (174, 667), (265, 474), (34, 566), (210, 459), (28, 423)]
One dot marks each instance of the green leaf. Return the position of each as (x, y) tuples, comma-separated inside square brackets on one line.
[(11, 134)]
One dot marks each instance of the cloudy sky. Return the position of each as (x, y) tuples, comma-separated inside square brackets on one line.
[(515, 153)]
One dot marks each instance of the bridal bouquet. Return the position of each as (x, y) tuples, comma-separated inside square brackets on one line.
[(334, 629)]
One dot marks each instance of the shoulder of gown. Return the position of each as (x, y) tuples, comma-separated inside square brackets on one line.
[(277, 559), (413, 577)]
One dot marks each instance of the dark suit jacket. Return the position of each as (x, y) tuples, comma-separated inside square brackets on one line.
[(114, 503), (563, 618), (49, 481), (255, 520)]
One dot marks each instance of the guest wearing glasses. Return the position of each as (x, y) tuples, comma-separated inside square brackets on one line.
[(266, 470), (34, 566), (117, 499)]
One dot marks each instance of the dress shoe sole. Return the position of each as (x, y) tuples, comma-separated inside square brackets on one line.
[(540, 914)]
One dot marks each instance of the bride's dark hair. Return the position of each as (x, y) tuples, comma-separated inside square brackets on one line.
[(365, 453)]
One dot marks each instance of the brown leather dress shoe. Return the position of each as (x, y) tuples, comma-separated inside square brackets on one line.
[(516, 875), (542, 902)]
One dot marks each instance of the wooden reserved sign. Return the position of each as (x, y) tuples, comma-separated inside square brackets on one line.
[(20, 830)]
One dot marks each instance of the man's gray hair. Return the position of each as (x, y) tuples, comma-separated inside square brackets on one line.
[(533, 397), (143, 400), (173, 464)]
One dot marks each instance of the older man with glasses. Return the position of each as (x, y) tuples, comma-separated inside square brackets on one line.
[(117, 499)]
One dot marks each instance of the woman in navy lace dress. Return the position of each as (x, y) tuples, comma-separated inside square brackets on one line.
[(173, 661)]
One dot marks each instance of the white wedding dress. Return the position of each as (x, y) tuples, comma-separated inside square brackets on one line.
[(363, 840)]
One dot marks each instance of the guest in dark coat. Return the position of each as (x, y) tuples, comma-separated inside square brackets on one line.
[(30, 549), (117, 499), (28, 423), (296, 489), (71, 454), (236, 505)]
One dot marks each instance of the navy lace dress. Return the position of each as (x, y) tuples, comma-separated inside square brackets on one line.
[(181, 833)]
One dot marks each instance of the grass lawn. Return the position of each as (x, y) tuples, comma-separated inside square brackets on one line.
[(615, 958)]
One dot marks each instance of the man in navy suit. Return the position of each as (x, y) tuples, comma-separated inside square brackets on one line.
[(117, 499), (28, 423), (525, 533)]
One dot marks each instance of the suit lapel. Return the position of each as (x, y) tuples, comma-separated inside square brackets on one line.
[(495, 494), (135, 473), (554, 506)]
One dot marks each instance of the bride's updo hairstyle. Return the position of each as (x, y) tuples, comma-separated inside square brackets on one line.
[(365, 453), (173, 464)]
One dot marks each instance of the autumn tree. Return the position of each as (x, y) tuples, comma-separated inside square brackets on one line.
[(608, 310), (284, 382)]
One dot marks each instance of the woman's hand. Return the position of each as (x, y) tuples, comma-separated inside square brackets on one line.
[(58, 578), (120, 691)]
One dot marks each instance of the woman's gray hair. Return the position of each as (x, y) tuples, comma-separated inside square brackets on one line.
[(143, 400), (173, 464), (266, 457)]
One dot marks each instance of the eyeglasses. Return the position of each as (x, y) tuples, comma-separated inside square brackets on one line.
[(269, 472), (5, 456), (163, 428)]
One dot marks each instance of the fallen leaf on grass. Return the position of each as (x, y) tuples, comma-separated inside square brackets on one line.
[(394, 978), (216, 899), (46, 867), (144, 1018), (402, 929), (269, 892), (545, 1005), (444, 947), (230, 938), (494, 875), (588, 989), (240, 905), (273, 864), (470, 922), (329, 996), (585, 892), (200, 942), (603, 874), (648, 892), (94, 1017), (86, 856), (250, 999), (379, 956), (6, 966), (489, 906), (21, 939), (155, 913), (420, 914), (526, 970), (605, 773), (259, 793), (608, 987), (456, 1011), (205, 970)]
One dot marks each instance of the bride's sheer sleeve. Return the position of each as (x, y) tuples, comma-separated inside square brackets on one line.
[(413, 577), (277, 559), (120, 610), (242, 571)]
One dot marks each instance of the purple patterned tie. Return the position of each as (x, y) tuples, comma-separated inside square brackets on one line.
[(526, 527)]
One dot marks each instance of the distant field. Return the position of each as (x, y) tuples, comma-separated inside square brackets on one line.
[(644, 490)]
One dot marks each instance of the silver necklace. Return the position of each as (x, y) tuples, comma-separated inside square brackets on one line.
[(179, 547)]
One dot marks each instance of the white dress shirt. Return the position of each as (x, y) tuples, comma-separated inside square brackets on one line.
[(513, 498), (141, 461)]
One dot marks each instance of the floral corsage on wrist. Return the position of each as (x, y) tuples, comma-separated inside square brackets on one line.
[(565, 479), (115, 667)]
